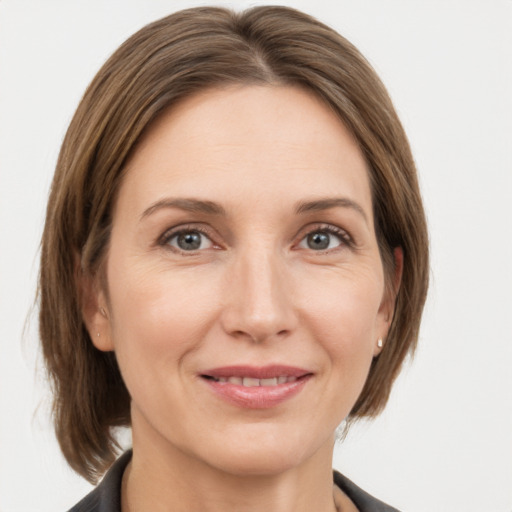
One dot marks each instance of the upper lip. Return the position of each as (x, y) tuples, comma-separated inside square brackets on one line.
[(257, 372)]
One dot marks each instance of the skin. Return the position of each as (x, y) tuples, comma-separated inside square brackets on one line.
[(255, 292)]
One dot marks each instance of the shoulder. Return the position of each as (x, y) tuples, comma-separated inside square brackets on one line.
[(361, 499), (106, 497)]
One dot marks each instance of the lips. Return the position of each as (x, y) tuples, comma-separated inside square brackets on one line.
[(256, 387), (256, 372), (250, 382)]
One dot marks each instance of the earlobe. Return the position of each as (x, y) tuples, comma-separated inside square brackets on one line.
[(378, 347), (393, 286), (96, 319), (101, 336), (387, 309), (94, 310)]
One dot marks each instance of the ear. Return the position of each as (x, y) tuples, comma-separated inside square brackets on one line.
[(95, 312), (387, 307)]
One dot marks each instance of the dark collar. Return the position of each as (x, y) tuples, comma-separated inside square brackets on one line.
[(361, 499), (106, 497)]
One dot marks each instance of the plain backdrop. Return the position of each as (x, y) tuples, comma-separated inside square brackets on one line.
[(445, 441)]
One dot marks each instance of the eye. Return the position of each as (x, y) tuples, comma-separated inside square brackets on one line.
[(324, 239), (189, 240)]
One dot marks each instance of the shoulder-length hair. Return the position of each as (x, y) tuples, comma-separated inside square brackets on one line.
[(166, 61)]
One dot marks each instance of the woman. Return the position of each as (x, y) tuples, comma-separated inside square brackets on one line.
[(234, 261)]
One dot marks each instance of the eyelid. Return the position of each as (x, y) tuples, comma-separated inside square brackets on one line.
[(327, 228), (169, 234)]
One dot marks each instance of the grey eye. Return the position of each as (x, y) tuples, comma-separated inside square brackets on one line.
[(190, 241), (318, 241), (321, 241)]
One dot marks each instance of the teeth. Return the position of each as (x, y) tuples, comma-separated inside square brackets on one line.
[(251, 382)]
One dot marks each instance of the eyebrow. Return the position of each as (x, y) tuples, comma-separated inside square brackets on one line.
[(212, 208), (186, 204), (328, 203)]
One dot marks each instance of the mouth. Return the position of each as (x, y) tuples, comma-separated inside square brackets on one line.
[(256, 387), (250, 382)]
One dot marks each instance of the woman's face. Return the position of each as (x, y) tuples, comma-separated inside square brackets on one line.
[(245, 288)]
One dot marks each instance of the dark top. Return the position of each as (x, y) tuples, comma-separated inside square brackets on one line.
[(106, 497)]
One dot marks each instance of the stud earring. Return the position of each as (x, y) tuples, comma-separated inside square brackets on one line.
[(380, 343)]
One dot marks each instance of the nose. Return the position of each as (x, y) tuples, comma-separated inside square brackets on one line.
[(259, 300)]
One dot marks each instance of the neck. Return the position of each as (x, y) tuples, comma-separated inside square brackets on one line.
[(161, 477)]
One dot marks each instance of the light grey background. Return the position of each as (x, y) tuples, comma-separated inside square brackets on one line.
[(445, 441)]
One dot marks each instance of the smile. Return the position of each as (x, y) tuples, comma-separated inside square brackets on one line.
[(256, 387), (250, 382)]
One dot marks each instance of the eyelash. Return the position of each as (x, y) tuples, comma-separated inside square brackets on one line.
[(165, 239), (345, 239)]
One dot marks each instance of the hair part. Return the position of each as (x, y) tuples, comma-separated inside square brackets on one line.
[(160, 65)]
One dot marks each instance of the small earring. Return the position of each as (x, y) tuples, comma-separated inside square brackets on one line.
[(98, 334), (380, 343)]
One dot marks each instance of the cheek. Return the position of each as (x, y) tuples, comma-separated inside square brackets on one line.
[(346, 303), (344, 315), (158, 315)]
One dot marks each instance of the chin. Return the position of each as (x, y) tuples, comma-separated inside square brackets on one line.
[(265, 455), (257, 463)]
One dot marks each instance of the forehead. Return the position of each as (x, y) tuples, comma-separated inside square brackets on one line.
[(229, 142)]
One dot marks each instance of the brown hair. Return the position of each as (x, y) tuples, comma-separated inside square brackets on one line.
[(158, 66)]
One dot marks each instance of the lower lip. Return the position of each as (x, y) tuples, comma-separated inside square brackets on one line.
[(257, 397)]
